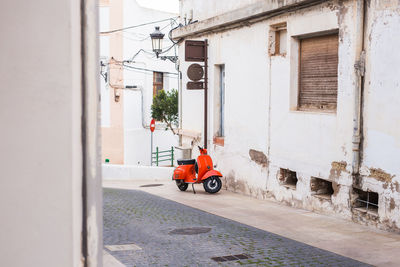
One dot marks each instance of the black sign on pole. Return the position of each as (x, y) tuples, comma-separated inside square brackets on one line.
[(195, 85), (195, 72), (195, 50)]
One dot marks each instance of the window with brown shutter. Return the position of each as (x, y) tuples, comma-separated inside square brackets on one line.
[(158, 84), (318, 73)]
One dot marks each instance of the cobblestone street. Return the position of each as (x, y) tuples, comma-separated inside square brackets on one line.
[(159, 229)]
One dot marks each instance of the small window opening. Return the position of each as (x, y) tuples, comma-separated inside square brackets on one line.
[(288, 178), (321, 188), (278, 40), (366, 201), (158, 82)]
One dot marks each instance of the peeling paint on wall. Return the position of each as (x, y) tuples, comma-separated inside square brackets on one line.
[(341, 16), (336, 169), (258, 157), (392, 204), (397, 186), (380, 175)]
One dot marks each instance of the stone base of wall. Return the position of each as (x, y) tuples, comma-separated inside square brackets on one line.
[(338, 204)]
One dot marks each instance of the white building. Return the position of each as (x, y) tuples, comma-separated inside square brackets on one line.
[(303, 101), (132, 75)]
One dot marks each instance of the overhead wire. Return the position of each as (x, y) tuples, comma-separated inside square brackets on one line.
[(148, 73), (139, 25), (123, 64), (144, 69), (148, 36), (124, 30)]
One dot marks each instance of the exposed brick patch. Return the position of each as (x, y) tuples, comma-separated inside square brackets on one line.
[(220, 141)]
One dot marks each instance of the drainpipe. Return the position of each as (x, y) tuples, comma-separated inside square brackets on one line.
[(269, 116), (180, 97), (180, 106), (140, 89), (359, 67), (177, 67), (205, 93)]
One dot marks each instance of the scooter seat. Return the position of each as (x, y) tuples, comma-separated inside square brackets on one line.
[(186, 161)]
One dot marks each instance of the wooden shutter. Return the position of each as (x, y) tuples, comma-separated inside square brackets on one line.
[(158, 82), (318, 72)]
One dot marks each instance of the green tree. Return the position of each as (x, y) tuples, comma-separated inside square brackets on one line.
[(165, 108)]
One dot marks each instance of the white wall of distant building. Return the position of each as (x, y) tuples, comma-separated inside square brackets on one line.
[(137, 138)]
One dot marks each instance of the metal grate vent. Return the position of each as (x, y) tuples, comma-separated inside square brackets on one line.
[(231, 258), (151, 185)]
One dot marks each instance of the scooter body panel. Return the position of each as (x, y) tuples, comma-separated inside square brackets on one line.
[(209, 174), (205, 164), (186, 173), (179, 173)]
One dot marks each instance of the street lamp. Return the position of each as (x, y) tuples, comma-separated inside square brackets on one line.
[(156, 41)]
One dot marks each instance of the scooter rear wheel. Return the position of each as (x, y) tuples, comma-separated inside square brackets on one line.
[(212, 185), (181, 185)]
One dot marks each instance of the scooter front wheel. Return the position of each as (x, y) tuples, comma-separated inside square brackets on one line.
[(181, 185), (212, 185)]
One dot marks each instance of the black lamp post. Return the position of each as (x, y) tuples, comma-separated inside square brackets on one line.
[(156, 41)]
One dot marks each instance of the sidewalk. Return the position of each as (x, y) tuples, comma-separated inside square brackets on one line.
[(345, 238)]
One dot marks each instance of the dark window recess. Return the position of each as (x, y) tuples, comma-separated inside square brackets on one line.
[(278, 39), (366, 201), (231, 257), (288, 178), (321, 188), (158, 82), (318, 73)]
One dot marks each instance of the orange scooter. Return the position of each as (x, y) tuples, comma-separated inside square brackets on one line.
[(185, 173)]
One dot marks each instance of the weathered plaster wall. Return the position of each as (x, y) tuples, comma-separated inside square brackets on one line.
[(246, 101), (260, 114), (200, 10), (122, 121), (309, 142), (137, 138), (381, 150)]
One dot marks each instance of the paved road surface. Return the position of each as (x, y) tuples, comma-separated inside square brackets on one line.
[(164, 233)]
